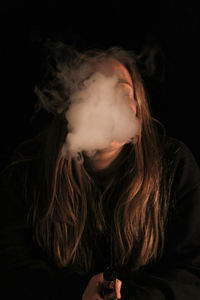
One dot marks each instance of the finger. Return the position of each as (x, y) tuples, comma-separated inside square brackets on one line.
[(98, 277), (118, 285)]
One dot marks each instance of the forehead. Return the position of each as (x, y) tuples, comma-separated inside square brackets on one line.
[(111, 67)]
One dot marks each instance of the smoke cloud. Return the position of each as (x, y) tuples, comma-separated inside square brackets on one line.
[(99, 113)]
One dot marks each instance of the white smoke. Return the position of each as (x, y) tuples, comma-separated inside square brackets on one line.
[(99, 113)]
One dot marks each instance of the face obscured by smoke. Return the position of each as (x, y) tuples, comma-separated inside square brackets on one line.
[(100, 112), (91, 90)]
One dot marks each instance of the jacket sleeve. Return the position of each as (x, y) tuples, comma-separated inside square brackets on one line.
[(26, 273), (177, 275)]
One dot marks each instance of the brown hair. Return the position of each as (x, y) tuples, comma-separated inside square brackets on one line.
[(69, 209)]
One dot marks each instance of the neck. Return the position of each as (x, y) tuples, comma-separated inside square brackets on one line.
[(105, 173)]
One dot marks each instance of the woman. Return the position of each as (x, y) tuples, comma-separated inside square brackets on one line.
[(131, 206)]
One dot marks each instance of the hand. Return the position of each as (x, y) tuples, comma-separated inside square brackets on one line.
[(93, 289)]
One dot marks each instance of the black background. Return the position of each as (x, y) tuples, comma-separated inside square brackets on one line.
[(171, 25)]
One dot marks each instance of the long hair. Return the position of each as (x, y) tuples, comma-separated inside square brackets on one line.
[(69, 210)]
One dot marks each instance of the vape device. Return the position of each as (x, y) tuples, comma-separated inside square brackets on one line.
[(108, 288)]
